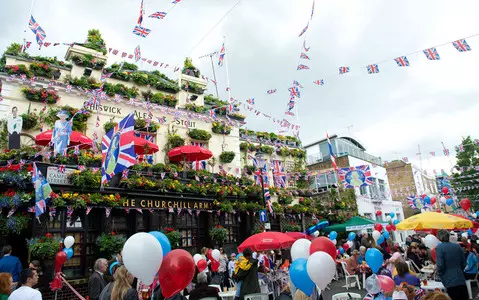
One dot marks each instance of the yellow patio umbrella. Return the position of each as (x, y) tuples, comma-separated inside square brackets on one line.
[(433, 220)]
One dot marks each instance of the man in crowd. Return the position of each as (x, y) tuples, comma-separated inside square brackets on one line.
[(96, 283), (10, 264), (28, 278), (202, 289)]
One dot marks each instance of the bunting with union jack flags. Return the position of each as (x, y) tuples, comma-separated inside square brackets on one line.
[(304, 30), (343, 70), (158, 15), (302, 67), (402, 61), (137, 53), (140, 31), (117, 153), (269, 92), (461, 45), (222, 55), (372, 69), (319, 82), (304, 56), (431, 54), (279, 175)]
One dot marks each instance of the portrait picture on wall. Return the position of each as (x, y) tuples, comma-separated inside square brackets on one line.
[(61, 133), (14, 126)]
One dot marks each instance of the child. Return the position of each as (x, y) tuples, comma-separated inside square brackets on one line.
[(244, 264)]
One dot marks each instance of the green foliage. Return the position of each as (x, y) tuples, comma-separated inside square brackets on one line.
[(141, 125), (164, 99), (88, 61), (219, 234), (173, 236), (19, 70), (221, 128), (41, 95), (464, 180), (109, 126), (192, 87), (121, 90), (95, 41), (243, 146), (79, 122), (266, 149), (86, 179), (291, 227), (199, 134), (175, 140), (30, 120), (190, 69), (83, 82), (45, 247), (227, 156), (41, 69), (214, 102), (110, 244), (13, 225), (195, 108), (237, 116), (14, 49)]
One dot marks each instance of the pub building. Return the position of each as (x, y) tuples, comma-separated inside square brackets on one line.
[(188, 197)]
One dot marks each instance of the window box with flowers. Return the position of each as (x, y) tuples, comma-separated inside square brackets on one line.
[(41, 95), (237, 116), (219, 235), (109, 126), (266, 149), (121, 90), (227, 157), (221, 128), (30, 120), (164, 99), (141, 125), (110, 244), (189, 69), (173, 236), (88, 61), (192, 87), (45, 247), (199, 134), (291, 227), (18, 70), (41, 69), (15, 224)]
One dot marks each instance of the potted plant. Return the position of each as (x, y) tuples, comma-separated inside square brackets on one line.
[(199, 134), (221, 128), (44, 248), (173, 236), (190, 69), (109, 125), (291, 227), (227, 157), (242, 132), (110, 244), (273, 137), (175, 140), (219, 235), (243, 146), (14, 224)]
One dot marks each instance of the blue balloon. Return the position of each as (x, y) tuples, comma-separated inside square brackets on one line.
[(333, 235), (69, 252), (477, 213), (395, 222), (374, 259), (116, 263), (427, 200), (316, 227), (386, 234), (341, 250), (380, 240), (392, 214), (469, 232), (351, 236), (449, 202), (299, 276), (163, 240)]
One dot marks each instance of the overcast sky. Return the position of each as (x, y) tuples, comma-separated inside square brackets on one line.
[(391, 112)]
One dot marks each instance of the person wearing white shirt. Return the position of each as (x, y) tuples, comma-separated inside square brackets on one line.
[(232, 264), (28, 279), (14, 126)]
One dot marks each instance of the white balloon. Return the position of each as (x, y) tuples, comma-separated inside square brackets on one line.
[(464, 234), (474, 216), (216, 254), (334, 242), (316, 233), (142, 256), (431, 241), (388, 218), (68, 241), (197, 258), (300, 249), (350, 243), (442, 200), (376, 235), (321, 269)]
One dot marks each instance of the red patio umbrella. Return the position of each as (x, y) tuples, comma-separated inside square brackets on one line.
[(299, 235), (269, 240), (142, 146), (76, 138), (189, 153)]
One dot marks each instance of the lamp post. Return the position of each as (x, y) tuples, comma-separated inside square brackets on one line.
[(260, 160)]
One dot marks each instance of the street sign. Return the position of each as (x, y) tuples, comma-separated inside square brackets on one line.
[(267, 226), (263, 216)]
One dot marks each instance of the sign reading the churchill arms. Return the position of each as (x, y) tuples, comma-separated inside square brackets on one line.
[(165, 204)]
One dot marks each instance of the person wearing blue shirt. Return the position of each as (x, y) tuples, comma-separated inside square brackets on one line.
[(362, 252), (10, 264), (470, 271)]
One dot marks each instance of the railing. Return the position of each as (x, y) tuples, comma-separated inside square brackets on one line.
[(318, 158)]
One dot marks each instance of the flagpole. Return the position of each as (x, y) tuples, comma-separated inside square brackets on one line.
[(227, 73)]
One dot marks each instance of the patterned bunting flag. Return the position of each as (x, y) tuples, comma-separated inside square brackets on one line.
[(127, 210), (31, 209), (198, 212), (69, 211), (218, 212), (88, 209), (319, 82), (302, 67), (150, 210), (446, 152), (107, 211), (141, 31), (306, 49), (222, 55), (343, 70), (304, 30), (402, 61), (461, 45), (139, 210), (304, 56), (269, 92), (61, 168), (178, 211), (52, 212), (372, 69), (11, 211), (158, 15), (431, 54), (170, 210)]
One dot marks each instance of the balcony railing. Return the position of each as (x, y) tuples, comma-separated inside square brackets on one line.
[(318, 157)]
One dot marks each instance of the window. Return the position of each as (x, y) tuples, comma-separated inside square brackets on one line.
[(231, 224), (374, 187), (364, 190), (382, 186), (187, 226)]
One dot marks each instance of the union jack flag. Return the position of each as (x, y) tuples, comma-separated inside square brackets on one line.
[(278, 174), (404, 159), (141, 31), (61, 168), (431, 54), (269, 92), (331, 154), (304, 56), (367, 179), (69, 89), (250, 101), (176, 1), (222, 55), (432, 153), (47, 44), (304, 30), (43, 191), (22, 163), (373, 69), (137, 53), (460, 148), (81, 167), (142, 12), (117, 98), (212, 114), (33, 25), (107, 211), (124, 174), (118, 154), (343, 70), (105, 76), (115, 52), (461, 45), (319, 82), (312, 11), (446, 152), (302, 67), (130, 56), (294, 92), (11, 211), (31, 209), (158, 15), (69, 211), (52, 212), (411, 202), (40, 35), (88, 210), (306, 49)]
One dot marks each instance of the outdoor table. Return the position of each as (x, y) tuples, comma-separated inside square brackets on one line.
[(228, 294), (433, 285)]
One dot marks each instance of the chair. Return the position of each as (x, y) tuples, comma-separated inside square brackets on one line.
[(257, 296), (232, 282), (209, 298), (348, 276), (468, 284), (346, 296), (217, 286)]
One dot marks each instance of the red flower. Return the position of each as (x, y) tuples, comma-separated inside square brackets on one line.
[(113, 233), (48, 235), (219, 226)]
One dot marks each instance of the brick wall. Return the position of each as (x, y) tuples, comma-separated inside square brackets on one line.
[(66, 293), (401, 183), (341, 162)]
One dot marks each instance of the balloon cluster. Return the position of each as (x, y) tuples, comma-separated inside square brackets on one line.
[(214, 257), (60, 258)]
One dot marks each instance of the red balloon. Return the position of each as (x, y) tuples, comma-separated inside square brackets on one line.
[(393, 227), (176, 272), (378, 227), (345, 246), (209, 254), (423, 196), (433, 254), (389, 228), (215, 265), (433, 200), (60, 259), (438, 210), (387, 284), (378, 213), (323, 244), (201, 265), (465, 203), (445, 190)]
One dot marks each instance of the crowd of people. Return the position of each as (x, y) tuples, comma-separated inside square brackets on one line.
[(454, 262)]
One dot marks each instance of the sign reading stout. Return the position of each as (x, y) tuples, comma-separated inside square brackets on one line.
[(56, 177), (160, 203)]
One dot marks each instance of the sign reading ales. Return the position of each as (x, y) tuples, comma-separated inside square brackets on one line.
[(157, 203)]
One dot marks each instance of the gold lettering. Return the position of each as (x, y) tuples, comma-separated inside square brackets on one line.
[(201, 205), (142, 203), (189, 204), (206, 205), (163, 204), (175, 204), (125, 203), (133, 203), (149, 203), (158, 203), (169, 204), (195, 206)]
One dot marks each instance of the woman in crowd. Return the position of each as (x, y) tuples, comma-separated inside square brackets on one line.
[(6, 284), (403, 275), (413, 256), (352, 264), (231, 265), (122, 289), (223, 268), (470, 271)]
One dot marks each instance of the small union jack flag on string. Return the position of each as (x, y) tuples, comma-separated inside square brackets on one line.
[(250, 101), (431, 54), (343, 70), (117, 98), (137, 53), (405, 159), (294, 92), (52, 212), (304, 30), (306, 49), (11, 211), (178, 212), (140, 31), (81, 168), (61, 168), (304, 56), (69, 89), (22, 163), (158, 15), (222, 55), (446, 152), (214, 81), (88, 209), (461, 45), (107, 211), (212, 114), (105, 76), (176, 1), (124, 174), (302, 67), (319, 82), (69, 211), (372, 69), (402, 61), (31, 209), (269, 92)]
